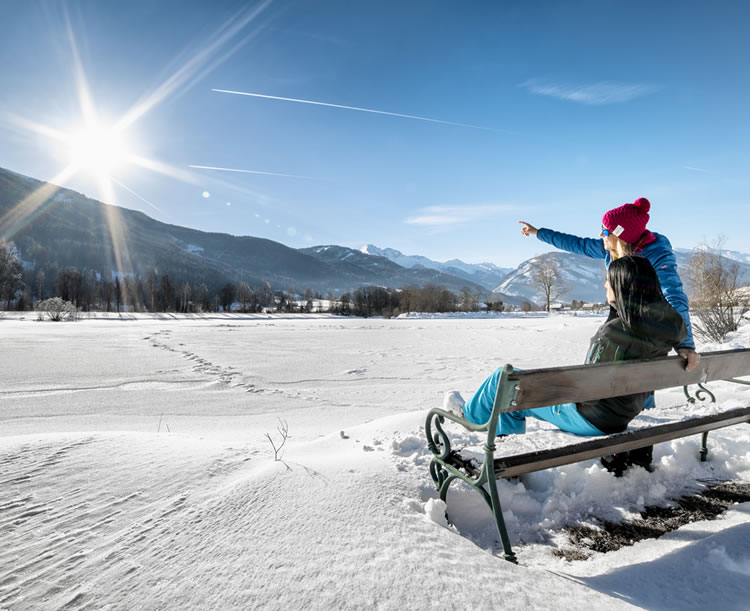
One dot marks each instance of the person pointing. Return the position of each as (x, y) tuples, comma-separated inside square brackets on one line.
[(624, 233)]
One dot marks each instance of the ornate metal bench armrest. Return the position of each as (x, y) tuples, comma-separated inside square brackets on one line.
[(438, 441)]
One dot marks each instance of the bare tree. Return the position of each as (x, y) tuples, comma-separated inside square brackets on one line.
[(469, 300), (106, 292), (70, 284), (203, 297), (283, 430), (56, 309), (185, 292), (11, 272), (245, 295), (266, 296), (153, 287), (40, 284), (226, 296), (119, 293), (547, 277), (717, 304)]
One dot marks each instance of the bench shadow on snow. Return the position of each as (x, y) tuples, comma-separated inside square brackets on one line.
[(705, 575)]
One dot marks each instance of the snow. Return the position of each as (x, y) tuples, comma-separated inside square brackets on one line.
[(136, 473)]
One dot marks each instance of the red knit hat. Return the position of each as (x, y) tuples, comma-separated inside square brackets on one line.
[(628, 222)]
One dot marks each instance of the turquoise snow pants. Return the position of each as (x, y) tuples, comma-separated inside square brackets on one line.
[(564, 416)]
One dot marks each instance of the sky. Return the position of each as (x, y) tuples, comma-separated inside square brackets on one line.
[(431, 127)]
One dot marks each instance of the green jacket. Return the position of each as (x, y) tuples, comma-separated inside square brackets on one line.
[(663, 329)]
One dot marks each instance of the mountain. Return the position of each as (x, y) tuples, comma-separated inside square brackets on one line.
[(487, 275), (55, 227), (583, 277), (738, 257), (383, 271)]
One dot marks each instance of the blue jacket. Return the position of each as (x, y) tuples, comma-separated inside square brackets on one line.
[(659, 253)]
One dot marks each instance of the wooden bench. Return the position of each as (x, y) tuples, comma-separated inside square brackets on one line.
[(541, 387)]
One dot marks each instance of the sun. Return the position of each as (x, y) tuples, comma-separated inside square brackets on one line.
[(97, 149)]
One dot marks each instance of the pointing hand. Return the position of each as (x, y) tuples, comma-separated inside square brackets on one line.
[(527, 229)]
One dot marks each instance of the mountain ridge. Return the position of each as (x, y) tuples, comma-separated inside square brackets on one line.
[(67, 228)]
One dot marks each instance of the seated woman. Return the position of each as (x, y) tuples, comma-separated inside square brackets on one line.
[(646, 327)]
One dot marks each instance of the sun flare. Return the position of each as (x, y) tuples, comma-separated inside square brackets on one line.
[(98, 149)]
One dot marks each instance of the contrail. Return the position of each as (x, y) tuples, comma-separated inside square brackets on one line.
[(377, 112), (210, 167), (143, 199)]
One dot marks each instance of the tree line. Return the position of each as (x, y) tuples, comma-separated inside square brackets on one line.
[(21, 288)]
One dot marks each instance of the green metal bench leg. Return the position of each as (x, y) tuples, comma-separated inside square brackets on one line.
[(443, 488), (497, 513), (704, 447), (493, 502)]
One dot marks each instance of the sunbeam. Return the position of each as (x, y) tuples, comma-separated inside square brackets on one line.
[(164, 168), (116, 227), (79, 74), (30, 206), (37, 128), (198, 63)]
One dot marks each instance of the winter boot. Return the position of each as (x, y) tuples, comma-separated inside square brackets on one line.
[(454, 402), (615, 463), (642, 457)]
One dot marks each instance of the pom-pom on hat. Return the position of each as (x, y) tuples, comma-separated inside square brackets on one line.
[(628, 222)]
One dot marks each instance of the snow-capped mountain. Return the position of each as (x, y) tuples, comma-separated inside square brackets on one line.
[(485, 274), (382, 271), (739, 257), (583, 278)]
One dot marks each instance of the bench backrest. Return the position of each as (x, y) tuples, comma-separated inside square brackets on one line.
[(542, 387)]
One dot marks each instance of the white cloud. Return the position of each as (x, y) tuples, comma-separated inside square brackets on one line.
[(596, 94), (694, 169), (432, 220), (453, 215)]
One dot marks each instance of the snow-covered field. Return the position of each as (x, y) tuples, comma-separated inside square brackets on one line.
[(135, 472)]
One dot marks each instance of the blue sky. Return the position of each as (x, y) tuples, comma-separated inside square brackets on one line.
[(549, 112)]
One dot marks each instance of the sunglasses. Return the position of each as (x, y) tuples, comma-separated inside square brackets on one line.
[(605, 231)]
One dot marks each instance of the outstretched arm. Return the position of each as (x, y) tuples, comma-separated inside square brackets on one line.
[(590, 247)]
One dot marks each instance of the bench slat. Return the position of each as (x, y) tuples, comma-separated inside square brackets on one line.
[(509, 466), (542, 387)]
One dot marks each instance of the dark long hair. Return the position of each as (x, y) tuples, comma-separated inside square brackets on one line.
[(636, 286)]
